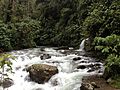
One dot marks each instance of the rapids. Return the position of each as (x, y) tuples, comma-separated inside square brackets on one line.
[(68, 78)]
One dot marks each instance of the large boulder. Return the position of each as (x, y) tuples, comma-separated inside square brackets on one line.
[(41, 73)]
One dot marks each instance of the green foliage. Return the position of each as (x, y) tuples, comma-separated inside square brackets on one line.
[(113, 59), (102, 20), (58, 22), (109, 45), (19, 35), (4, 37), (23, 33), (115, 82), (4, 60)]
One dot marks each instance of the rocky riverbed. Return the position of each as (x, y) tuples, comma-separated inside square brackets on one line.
[(99, 81), (69, 65)]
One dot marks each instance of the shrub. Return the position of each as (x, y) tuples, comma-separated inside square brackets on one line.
[(4, 37), (110, 47)]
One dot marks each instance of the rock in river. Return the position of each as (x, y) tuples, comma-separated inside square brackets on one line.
[(41, 73), (45, 56), (86, 86), (7, 82), (76, 58), (81, 67)]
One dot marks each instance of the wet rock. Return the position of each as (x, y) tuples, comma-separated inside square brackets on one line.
[(83, 62), (7, 70), (30, 57), (21, 76), (100, 71), (95, 85), (76, 70), (91, 65), (94, 67), (76, 58), (91, 70), (54, 82), (97, 64), (41, 73), (45, 56), (109, 80), (24, 69), (26, 65), (17, 68), (22, 58), (81, 67), (86, 86), (27, 78), (38, 89), (57, 62), (42, 49), (7, 82)]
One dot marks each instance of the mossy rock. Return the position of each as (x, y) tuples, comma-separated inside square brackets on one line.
[(41, 73)]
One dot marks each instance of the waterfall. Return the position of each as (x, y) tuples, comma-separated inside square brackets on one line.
[(82, 44)]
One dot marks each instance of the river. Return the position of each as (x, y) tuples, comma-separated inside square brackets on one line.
[(69, 76)]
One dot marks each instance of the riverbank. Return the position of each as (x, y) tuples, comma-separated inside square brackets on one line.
[(99, 82)]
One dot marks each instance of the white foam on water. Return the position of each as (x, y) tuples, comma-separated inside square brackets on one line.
[(66, 79)]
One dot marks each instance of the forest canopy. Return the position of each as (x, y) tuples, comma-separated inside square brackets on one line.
[(31, 23)]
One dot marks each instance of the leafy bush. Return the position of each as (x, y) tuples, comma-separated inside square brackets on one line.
[(115, 82), (110, 47), (112, 65), (4, 37)]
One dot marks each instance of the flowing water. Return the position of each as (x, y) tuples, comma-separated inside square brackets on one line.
[(68, 78), (82, 45)]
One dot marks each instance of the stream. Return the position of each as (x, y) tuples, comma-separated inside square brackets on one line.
[(69, 76)]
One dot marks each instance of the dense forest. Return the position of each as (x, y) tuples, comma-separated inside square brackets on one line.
[(31, 23)]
